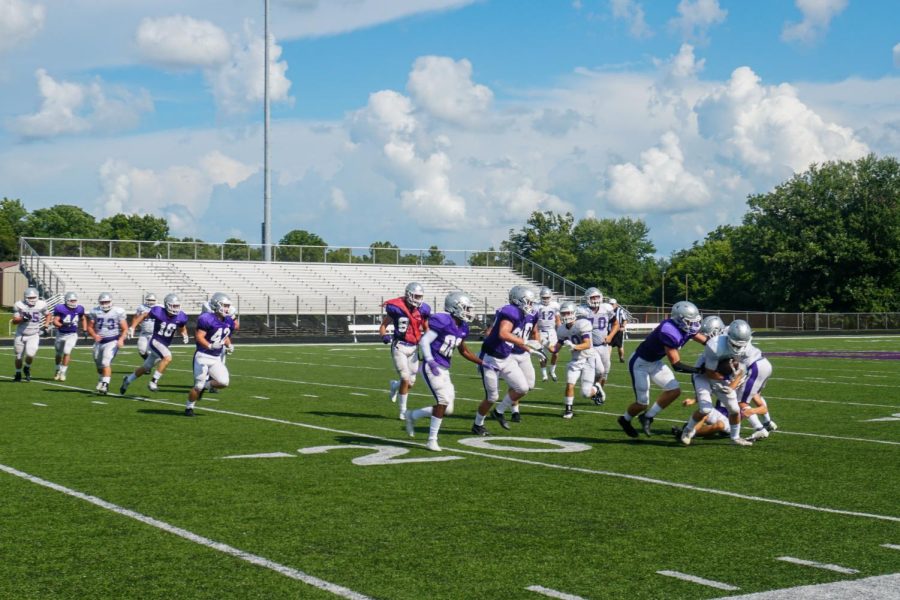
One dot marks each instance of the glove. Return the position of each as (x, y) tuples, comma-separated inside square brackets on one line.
[(184, 338), (534, 345), (434, 367), (569, 344), (386, 338), (229, 349), (216, 346), (44, 330), (130, 333)]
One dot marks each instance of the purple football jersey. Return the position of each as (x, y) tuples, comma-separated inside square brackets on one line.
[(217, 329), (69, 318), (493, 345), (530, 321), (667, 334), (449, 336), (165, 325)]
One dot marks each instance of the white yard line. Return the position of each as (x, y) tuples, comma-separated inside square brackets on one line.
[(539, 589), (193, 537), (628, 476), (699, 580), (880, 587), (891, 546), (818, 565)]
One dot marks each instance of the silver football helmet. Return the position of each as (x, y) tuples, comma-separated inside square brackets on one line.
[(104, 300), (220, 304), (460, 306), (415, 294), (739, 335), (150, 299), (546, 296), (71, 299), (31, 296), (523, 298), (712, 325), (687, 316), (594, 297), (173, 304), (567, 312)]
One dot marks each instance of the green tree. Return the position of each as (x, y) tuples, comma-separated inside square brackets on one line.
[(547, 240), (60, 221), (134, 227), (12, 216), (713, 272), (827, 239), (238, 249), (488, 258), (434, 256), (384, 253), (300, 237)]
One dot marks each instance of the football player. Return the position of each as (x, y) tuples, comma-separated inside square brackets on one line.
[(605, 327), (206, 307), (30, 315), (645, 365), (618, 340), (140, 317), (108, 326), (446, 331), (574, 332), (409, 316), (66, 319), (499, 362), (523, 357), (213, 340), (758, 370), (720, 378), (547, 324), (168, 320)]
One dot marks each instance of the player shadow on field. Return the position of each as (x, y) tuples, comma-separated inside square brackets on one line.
[(70, 391), (364, 441), (167, 412), (356, 415)]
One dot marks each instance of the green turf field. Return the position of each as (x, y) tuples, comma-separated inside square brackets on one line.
[(299, 481)]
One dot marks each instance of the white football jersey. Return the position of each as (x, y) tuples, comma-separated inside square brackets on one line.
[(750, 355), (107, 323), (546, 315), (146, 324), (575, 333), (601, 322), (34, 317), (716, 350)]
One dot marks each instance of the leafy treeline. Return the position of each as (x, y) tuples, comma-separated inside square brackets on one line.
[(825, 240)]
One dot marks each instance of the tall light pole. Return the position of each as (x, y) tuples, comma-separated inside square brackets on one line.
[(662, 288), (267, 186)]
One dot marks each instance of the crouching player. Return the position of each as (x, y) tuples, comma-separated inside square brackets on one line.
[(166, 322), (66, 319), (213, 338), (29, 316), (721, 377), (108, 327), (447, 331), (758, 369), (574, 333)]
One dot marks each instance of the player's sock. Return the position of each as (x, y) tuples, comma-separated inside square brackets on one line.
[(130, 379), (765, 419), (18, 371), (434, 427), (515, 408), (543, 372), (506, 403), (627, 416), (190, 404), (570, 400), (755, 422), (735, 431), (156, 376), (480, 418), (106, 379), (654, 410), (691, 423), (63, 369), (422, 412), (402, 400)]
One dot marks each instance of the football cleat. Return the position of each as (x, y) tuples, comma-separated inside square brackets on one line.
[(687, 435), (27, 372), (600, 397), (62, 376), (543, 378), (553, 375), (103, 389), (770, 426), (516, 417), (56, 376), (152, 385), (395, 388), (621, 360), (410, 425), (646, 422), (480, 430), (189, 412), (759, 434), (500, 419), (676, 431), (627, 427), (17, 376), (741, 442), (99, 385), (403, 415), (124, 387), (432, 445), (213, 390), (569, 413)]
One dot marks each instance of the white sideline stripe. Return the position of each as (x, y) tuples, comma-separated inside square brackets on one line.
[(891, 546), (694, 579), (818, 565), (260, 397), (263, 455), (880, 587), (38, 404), (639, 478), (193, 537), (539, 589), (97, 402), (310, 396)]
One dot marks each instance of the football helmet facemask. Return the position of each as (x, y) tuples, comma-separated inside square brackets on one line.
[(546, 296), (31, 296), (739, 335), (415, 294), (594, 297), (523, 298), (150, 300), (173, 304), (712, 325), (687, 316), (460, 306), (567, 312), (71, 299), (104, 300)]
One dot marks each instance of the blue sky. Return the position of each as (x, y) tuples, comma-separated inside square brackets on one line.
[(438, 122)]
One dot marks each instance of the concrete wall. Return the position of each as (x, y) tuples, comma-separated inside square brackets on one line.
[(12, 284)]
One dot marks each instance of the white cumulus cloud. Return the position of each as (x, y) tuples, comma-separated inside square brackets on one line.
[(182, 42), (817, 15), (19, 21), (661, 183), (695, 17), (444, 88), (633, 13), (73, 108), (769, 129), (897, 55)]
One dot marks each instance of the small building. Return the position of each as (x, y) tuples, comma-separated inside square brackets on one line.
[(12, 283)]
